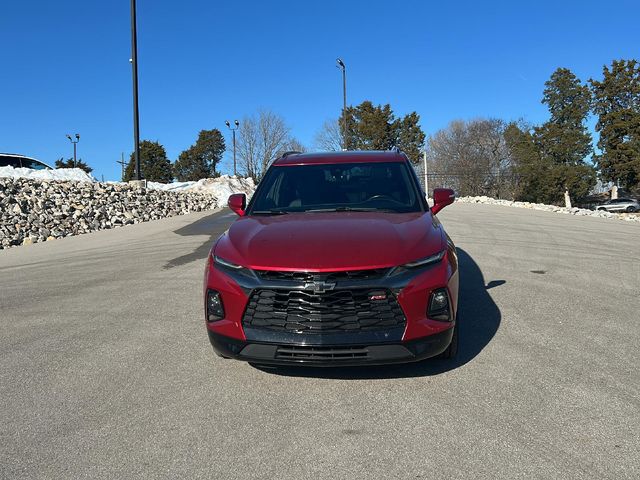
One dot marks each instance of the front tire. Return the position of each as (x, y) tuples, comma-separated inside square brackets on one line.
[(631, 209)]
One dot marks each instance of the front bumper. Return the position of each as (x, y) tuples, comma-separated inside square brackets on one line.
[(326, 355)]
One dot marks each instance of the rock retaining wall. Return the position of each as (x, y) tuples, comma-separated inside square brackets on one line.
[(35, 211)]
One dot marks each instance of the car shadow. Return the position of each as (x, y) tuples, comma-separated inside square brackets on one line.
[(212, 226), (479, 319)]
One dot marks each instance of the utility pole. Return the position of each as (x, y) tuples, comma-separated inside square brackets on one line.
[(343, 67), (426, 179), (233, 130), (121, 162), (134, 67), (75, 161)]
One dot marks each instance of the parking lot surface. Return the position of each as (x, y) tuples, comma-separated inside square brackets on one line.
[(106, 370)]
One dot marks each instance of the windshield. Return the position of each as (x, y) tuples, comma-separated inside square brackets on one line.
[(337, 187)]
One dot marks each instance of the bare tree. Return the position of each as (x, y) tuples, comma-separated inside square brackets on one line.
[(329, 138), (260, 139), (292, 145), (472, 157), (248, 147)]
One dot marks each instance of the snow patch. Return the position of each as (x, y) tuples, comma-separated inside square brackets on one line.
[(220, 187), (61, 174)]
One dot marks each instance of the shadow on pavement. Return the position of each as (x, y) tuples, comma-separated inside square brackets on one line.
[(479, 320), (204, 226)]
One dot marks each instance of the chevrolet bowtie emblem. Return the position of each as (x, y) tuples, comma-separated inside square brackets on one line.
[(319, 287)]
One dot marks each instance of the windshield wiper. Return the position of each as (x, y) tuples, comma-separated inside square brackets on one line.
[(268, 212), (350, 209)]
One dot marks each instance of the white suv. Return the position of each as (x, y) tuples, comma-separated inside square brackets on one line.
[(620, 205), (20, 161)]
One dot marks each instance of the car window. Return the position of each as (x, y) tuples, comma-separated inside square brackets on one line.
[(363, 186), (8, 161), (33, 164)]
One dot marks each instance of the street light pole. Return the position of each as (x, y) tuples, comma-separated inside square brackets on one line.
[(75, 161), (233, 131), (343, 67), (426, 176), (134, 66)]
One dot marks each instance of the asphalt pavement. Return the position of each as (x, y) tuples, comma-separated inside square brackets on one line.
[(106, 370)]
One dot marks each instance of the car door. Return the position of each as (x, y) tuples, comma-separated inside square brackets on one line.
[(620, 204)]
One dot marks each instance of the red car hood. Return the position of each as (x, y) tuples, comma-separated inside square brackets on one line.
[(330, 241)]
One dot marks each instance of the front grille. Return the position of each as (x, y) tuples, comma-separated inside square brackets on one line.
[(305, 311), (276, 275), (321, 353)]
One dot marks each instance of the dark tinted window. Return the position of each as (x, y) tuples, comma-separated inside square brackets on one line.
[(357, 186), (34, 164), (8, 161)]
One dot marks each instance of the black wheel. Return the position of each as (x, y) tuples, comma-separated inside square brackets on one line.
[(631, 209), (601, 209), (452, 349)]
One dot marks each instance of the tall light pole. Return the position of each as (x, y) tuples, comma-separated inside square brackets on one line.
[(233, 130), (343, 67), (75, 162), (134, 66)]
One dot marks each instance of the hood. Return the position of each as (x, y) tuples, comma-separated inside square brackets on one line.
[(330, 241)]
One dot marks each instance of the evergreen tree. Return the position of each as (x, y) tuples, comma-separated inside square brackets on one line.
[(564, 141), (68, 163), (552, 158), (371, 127), (200, 160), (617, 105), (564, 137), (154, 164), (409, 136), (533, 171)]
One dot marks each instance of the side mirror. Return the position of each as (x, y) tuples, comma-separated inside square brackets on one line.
[(237, 202), (441, 198)]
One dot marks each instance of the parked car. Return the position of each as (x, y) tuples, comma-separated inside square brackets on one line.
[(21, 161), (620, 205), (336, 260)]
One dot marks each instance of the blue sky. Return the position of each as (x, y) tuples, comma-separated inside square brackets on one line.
[(65, 65)]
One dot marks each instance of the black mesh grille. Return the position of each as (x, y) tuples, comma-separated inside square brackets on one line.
[(370, 274), (321, 353), (328, 312)]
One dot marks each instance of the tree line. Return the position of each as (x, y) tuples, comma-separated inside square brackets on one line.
[(538, 163), (495, 157)]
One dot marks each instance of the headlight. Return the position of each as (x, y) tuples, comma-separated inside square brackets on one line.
[(425, 261), (416, 264), (226, 263)]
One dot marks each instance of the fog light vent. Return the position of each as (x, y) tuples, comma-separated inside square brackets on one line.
[(439, 308), (215, 310)]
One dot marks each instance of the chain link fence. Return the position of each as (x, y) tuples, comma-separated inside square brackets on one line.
[(491, 184)]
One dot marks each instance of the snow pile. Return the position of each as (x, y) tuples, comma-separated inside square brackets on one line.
[(63, 174), (629, 217), (220, 187)]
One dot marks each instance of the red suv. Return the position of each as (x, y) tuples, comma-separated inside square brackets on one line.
[(336, 260)]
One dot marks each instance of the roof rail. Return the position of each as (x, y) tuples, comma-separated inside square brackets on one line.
[(290, 152), (395, 149)]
